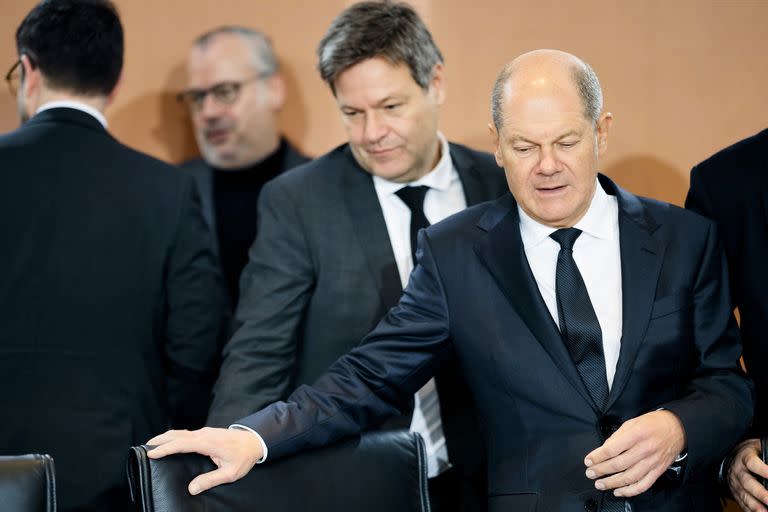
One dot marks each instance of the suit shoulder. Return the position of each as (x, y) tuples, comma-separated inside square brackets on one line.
[(482, 160), (195, 165), (466, 222), (744, 159), (151, 166), (675, 217), (294, 157), (325, 169)]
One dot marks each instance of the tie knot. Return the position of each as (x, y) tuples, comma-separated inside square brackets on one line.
[(566, 237), (413, 197)]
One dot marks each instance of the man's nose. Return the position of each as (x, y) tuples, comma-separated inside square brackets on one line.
[(210, 107), (548, 160), (375, 128)]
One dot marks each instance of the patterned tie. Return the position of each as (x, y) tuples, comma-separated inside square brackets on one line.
[(578, 322), (413, 197), (582, 335), (428, 400)]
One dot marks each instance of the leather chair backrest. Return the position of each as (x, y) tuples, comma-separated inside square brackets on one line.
[(377, 472), (27, 483)]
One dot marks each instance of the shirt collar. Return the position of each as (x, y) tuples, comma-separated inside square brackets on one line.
[(77, 106), (600, 221), (439, 178)]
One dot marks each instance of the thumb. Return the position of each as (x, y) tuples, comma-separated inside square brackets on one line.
[(211, 479)]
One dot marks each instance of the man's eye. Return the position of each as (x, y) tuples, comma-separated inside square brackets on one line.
[(392, 106), (523, 150), (567, 145), (350, 113)]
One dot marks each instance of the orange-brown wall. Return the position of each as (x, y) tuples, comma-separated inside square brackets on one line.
[(683, 78)]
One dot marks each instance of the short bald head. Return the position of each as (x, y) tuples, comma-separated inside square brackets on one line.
[(551, 71)]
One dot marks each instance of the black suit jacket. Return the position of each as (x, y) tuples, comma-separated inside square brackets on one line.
[(110, 298), (321, 275), (731, 188), (473, 295)]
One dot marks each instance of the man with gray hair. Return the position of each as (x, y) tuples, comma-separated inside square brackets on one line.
[(235, 94), (337, 239)]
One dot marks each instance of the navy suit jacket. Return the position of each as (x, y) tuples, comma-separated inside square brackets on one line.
[(473, 294)]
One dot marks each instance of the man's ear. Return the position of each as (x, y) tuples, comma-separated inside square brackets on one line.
[(496, 147), (602, 129), (276, 87), (437, 83), (31, 76)]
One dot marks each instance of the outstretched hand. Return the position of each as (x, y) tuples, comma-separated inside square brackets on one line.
[(637, 454), (234, 451)]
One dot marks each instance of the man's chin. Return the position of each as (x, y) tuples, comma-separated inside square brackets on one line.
[(217, 157)]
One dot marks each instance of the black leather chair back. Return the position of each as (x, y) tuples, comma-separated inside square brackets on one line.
[(27, 483), (377, 472)]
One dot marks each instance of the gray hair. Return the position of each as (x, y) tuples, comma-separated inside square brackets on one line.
[(386, 29), (264, 58), (584, 78)]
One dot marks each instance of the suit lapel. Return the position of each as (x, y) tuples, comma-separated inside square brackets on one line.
[(368, 223), (502, 253), (641, 259), (474, 188)]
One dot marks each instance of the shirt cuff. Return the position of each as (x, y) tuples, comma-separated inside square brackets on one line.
[(261, 440)]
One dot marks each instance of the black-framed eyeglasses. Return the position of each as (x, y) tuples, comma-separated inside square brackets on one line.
[(13, 77), (225, 93)]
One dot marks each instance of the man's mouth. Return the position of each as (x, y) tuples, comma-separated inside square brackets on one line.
[(217, 135), (550, 189)]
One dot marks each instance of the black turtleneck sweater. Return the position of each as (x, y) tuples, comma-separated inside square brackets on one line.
[(235, 194)]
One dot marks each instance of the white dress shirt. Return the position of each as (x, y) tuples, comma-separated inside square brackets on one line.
[(597, 254), (75, 105), (444, 198)]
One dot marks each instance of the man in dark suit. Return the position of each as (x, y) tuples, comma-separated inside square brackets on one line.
[(235, 93), (731, 188), (334, 246), (112, 304), (594, 328)]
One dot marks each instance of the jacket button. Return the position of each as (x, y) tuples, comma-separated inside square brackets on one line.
[(608, 425), (590, 505)]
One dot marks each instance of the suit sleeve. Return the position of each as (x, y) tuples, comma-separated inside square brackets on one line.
[(716, 407), (275, 289), (372, 382), (195, 314)]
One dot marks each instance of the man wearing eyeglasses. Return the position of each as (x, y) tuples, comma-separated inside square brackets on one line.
[(234, 96), (112, 302)]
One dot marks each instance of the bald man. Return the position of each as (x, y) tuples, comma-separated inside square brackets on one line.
[(593, 326)]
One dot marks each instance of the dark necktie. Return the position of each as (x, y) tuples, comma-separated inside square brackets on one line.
[(413, 197), (578, 322)]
